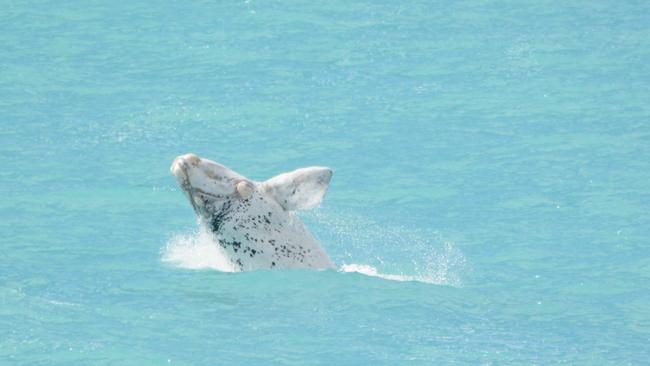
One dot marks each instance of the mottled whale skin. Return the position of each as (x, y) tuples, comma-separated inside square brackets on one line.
[(255, 222)]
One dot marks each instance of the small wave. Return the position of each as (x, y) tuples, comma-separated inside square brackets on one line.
[(61, 303)]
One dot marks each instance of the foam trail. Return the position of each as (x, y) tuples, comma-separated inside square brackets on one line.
[(373, 272), (197, 250)]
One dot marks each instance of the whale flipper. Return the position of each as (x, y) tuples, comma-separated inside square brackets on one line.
[(300, 189)]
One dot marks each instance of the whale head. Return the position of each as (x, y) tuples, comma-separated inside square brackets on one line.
[(255, 221), (209, 185)]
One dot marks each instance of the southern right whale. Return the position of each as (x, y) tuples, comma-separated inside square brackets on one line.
[(256, 222)]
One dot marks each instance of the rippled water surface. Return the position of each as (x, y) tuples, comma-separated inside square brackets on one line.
[(489, 205)]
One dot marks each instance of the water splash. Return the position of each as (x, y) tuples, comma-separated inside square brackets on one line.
[(197, 250), (438, 267), (394, 253)]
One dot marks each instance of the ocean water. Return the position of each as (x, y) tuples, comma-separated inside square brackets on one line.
[(489, 205)]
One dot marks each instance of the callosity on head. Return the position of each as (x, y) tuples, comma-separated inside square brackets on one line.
[(255, 222)]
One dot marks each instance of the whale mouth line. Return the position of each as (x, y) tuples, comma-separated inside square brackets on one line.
[(186, 185)]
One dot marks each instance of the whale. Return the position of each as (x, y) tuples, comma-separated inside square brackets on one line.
[(256, 223)]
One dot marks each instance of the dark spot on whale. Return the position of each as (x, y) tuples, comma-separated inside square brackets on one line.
[(219, 216)]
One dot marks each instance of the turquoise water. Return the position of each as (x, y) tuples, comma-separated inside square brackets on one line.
[(492, 181)]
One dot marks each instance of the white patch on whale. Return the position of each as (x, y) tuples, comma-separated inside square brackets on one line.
[(254, 223)]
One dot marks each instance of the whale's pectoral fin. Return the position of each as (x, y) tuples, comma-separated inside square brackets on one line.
[(301, 189)]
